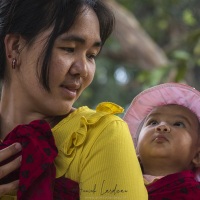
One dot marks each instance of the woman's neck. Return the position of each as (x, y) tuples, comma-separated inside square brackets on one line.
[(14, 110), (11, 116)]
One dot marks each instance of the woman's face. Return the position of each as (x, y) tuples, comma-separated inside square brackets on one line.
[(72, 67)]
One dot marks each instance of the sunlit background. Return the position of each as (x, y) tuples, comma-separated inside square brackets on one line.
[(154, 42)]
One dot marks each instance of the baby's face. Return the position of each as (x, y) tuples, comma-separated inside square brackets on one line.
[(169, 133)]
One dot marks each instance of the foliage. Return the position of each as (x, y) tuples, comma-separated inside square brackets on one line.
[(174, 26)]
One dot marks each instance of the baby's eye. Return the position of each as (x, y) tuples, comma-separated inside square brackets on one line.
[(179, 124), (153, 122)]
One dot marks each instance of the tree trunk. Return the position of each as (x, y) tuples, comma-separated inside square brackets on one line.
[(135, 44)]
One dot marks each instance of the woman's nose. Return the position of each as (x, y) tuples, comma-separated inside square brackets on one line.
[(79, 67), (163, 128)]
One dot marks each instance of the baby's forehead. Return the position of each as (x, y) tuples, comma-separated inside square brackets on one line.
[(173, 110)]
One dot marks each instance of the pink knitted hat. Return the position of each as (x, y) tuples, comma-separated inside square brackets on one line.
[(163, 94)]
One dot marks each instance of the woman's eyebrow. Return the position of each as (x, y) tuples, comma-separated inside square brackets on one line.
[(80, 40)]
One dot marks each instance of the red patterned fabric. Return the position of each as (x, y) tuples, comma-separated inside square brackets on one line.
[(37, 172), (66, 189), (179, 186)]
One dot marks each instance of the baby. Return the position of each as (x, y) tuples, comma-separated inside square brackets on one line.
[(164, 123)]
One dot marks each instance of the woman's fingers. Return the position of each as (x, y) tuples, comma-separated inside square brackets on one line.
[(7, 153), (10, 167), (6, 188), (10, 151)]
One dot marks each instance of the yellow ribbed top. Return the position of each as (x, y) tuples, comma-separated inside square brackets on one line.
[(95, 149)]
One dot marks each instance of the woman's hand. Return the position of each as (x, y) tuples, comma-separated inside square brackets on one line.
[(9, 167)]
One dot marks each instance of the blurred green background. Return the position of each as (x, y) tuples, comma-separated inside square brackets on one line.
[(154, 42)]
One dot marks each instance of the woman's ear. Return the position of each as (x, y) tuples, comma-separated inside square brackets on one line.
[(196, 159), (14, 43)]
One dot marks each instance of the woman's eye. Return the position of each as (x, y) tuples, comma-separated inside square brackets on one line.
[(179, 124), (68, 49), (92, 56)]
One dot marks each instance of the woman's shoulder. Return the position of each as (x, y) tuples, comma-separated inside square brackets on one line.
[(109, 107), (107, 110), (84, 126), (104, 108), (105, 113), (81, 129)]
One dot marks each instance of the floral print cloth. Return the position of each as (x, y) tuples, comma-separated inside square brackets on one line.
[(178, 186), (37, 172), (66, 189)]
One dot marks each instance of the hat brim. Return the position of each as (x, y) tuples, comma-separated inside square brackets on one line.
[(163, 94)]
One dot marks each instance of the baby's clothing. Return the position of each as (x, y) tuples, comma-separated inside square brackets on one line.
[(148, 179), (174, 187)]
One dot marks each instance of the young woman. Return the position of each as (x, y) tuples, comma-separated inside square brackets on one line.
[(47, 59)]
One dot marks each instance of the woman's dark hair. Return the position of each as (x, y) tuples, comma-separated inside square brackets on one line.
[(30, 17)]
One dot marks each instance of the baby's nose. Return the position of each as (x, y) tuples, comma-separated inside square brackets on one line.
[(163, 128)]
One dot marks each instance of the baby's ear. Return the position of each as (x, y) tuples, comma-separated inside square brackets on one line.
[(140, 162), (138, 157), (196, 159)]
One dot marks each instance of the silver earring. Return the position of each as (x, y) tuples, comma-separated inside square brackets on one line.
[(14, 62)]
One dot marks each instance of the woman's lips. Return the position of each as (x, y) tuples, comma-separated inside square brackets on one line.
[(69, 92)]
